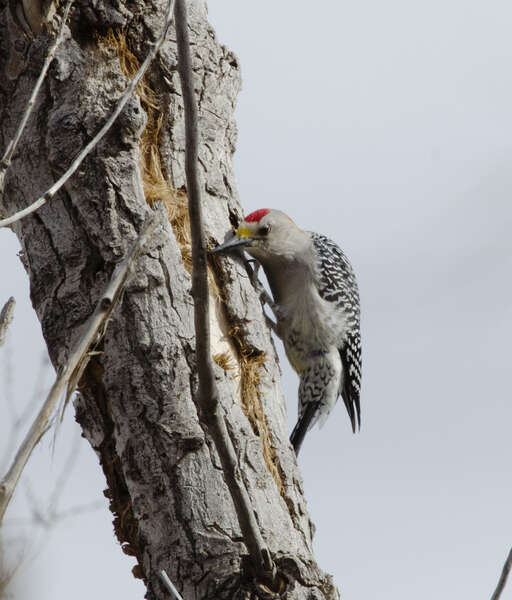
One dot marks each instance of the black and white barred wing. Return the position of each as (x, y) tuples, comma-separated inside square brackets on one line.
[(337, 283)]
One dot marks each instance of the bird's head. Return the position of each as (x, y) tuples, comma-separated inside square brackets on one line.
[(265, 233)]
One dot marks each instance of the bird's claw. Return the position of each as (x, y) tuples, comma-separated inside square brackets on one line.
[(265, 297)]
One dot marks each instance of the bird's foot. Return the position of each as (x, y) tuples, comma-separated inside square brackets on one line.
[(265, 297)]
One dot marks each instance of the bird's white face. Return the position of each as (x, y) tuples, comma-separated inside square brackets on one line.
[(267, 235), (257, 229)]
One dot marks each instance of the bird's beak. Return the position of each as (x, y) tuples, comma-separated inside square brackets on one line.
[(234, 242)]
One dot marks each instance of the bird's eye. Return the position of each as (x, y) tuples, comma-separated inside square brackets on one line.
[(264, 230)]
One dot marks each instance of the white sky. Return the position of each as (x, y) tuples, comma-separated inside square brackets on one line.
[(387, 126)]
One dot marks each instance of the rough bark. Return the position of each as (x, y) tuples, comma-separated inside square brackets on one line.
[(137, 403)]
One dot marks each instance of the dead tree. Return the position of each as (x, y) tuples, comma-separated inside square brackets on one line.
[(172, 501)]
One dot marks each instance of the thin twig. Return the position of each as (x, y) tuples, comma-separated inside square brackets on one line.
[(65, 473), (50, 193), (208, 392), (503, 578), (41, 519), (11, 147), (18, 420), (6, 316), (78, 358), (169, 585)]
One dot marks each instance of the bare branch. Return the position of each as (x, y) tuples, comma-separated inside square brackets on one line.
[(208, 392), (50, 193), (169, 585), (503, 578), (6, 316), (78, 358), (11, 147)]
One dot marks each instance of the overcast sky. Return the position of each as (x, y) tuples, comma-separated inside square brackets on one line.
[(387, 126)]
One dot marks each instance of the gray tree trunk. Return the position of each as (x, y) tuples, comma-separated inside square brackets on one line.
[(172, 508)]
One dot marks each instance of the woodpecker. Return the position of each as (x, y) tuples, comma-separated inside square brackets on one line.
[(316, 305)]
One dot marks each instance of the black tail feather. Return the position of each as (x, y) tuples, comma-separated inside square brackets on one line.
[(350, 396), (358, 411), (303, 424), (353, 408)]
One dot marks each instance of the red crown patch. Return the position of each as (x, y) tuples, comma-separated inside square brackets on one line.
[(257, 215)]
